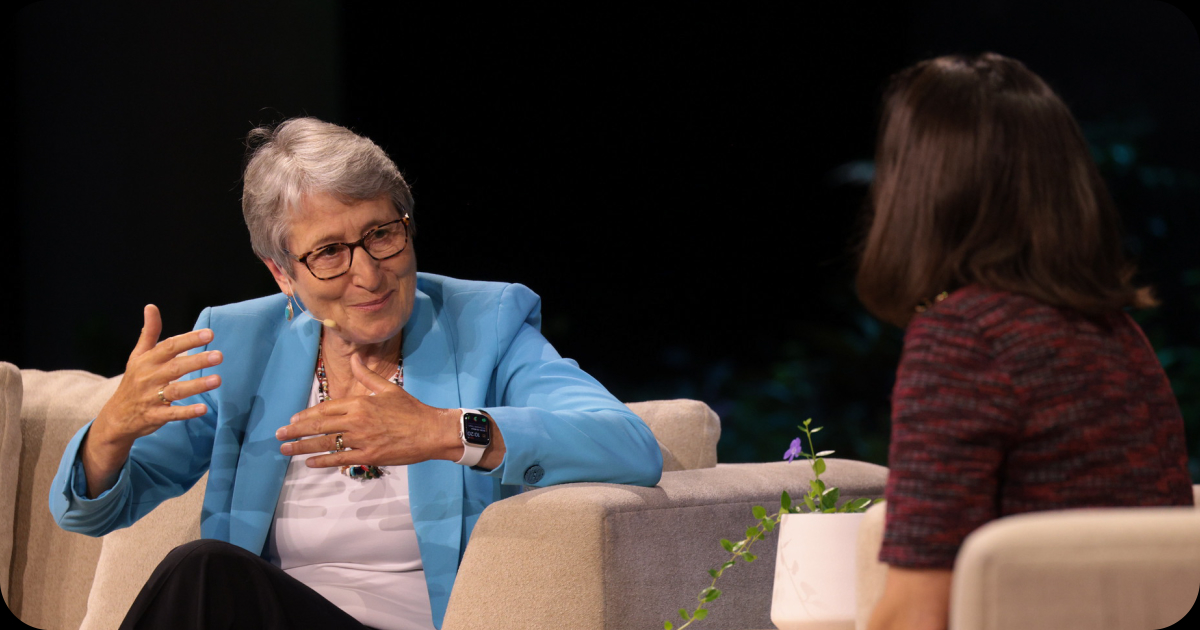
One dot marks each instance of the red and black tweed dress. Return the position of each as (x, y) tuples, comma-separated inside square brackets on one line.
[(1004, 405)]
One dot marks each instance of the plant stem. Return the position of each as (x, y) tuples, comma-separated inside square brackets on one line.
[(740, 550)]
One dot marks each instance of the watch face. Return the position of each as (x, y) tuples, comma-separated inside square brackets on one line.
[(477, 429)]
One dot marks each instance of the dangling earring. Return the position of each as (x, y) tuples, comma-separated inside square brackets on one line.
[(289, 307)]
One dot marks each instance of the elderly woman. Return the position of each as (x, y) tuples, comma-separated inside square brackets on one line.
[(353, 427)]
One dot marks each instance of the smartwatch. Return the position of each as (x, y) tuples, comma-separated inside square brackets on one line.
[(475, 429)]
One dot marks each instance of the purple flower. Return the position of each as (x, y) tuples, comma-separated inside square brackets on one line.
[(794, 451)]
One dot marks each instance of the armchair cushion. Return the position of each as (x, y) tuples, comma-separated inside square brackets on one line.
[(129, 556)]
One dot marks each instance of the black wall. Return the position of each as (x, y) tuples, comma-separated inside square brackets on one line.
[(680, 185)]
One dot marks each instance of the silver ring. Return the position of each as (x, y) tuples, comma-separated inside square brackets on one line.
[(163, 396)]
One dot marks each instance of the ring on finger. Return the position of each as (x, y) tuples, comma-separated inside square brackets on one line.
[(338, 447), (162, 395)]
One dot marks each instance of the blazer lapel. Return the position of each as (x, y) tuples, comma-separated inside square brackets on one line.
[(261, 467), (435, 487)]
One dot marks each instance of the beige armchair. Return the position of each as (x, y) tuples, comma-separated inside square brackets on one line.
[(587, 556), (1111, 569)]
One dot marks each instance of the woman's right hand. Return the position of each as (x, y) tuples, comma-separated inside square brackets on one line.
[(137, 409)]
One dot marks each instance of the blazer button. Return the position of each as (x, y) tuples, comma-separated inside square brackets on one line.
[(534, 474)]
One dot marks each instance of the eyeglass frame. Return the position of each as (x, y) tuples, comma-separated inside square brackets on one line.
[(362, 242)]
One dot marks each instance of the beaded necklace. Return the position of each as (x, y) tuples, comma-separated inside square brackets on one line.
[(360, 472)]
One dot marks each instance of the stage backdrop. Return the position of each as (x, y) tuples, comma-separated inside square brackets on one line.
[(681, 185)]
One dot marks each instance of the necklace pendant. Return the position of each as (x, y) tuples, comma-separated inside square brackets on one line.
[(363, 472)]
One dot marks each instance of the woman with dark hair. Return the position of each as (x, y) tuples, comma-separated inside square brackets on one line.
[(1024, 385)]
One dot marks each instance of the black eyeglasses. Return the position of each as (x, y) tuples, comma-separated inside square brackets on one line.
[(335, 259)]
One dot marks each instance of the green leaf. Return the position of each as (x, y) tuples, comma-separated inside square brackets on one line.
[(817, 485), (819, 466), (701, 613), (785, 501), (750, 557), (825, 453), (860, 504), (667, 625), (809, 502), (758, 511), (808, 422), (683, 613), (712, 594), (830, 498), (768, 524), (726, 545), (728, 563), (712, 573), (751, 533)]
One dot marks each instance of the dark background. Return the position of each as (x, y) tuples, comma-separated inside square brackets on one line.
[(681, 185)]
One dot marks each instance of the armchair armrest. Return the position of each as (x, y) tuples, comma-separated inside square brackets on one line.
[(1060, 570), (594, 556)]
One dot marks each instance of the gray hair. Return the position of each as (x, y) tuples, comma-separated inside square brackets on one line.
[(304, 156)]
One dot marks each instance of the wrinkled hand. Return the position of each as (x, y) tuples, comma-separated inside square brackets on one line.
[(136, 409), (388, 429)]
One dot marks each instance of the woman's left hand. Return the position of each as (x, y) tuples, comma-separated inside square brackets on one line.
[(388, 429)]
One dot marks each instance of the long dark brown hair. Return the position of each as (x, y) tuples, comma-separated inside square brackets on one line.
[(982, 176)]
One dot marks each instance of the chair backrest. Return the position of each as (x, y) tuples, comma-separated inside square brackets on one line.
[(10, 461), (49, 570)]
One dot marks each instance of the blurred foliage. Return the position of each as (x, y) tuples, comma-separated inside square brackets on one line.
[(837, 370), (1159, 196), (840, 370)]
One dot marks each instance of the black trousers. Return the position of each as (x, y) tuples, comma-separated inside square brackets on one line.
[(211, 584)]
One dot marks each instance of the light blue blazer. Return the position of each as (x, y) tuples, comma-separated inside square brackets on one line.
[(467, 344)]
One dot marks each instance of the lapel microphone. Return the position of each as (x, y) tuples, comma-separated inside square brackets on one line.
[(328, 323)]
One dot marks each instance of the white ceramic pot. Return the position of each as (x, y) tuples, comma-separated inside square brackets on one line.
[(814, 572)]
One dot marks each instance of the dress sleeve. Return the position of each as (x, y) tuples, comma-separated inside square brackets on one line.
[(953, 419), (560, 425)]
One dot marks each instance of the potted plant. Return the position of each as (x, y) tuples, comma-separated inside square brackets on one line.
[(814, 565)]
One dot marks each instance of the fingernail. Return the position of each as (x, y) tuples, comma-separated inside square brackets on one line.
[(212, 381), (199, 409), (206, 336), (214, 357), (281, 433), (286, 449)]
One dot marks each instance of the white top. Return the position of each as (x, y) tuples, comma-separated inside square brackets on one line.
[(353, 542)]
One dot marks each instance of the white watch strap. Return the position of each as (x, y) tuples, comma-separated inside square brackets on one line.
[(472, 453)]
